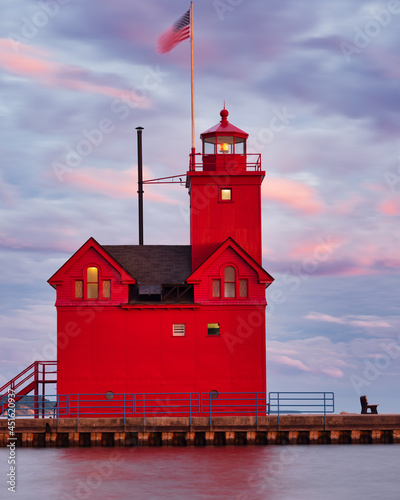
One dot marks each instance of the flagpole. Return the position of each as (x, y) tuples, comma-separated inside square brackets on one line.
[(192, 72)]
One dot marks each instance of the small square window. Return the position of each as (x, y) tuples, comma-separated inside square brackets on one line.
[(226, 194), (216, 288), (178, 330), (106, 289), (243, 288), (78, 293), (213, 328)]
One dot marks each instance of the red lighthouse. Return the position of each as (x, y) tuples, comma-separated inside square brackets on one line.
[(172, 318)]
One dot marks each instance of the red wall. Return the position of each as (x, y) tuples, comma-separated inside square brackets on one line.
[(213, 220), (132, 350)]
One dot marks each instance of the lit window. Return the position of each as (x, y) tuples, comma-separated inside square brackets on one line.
[(78, 293), (243, 288), (226, 194), (216, 288), (106, 289), (213, 328), (229, 282), (92, 282), (178, 330)]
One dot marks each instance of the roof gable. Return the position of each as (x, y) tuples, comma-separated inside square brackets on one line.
[(60, 275), (263, 276)]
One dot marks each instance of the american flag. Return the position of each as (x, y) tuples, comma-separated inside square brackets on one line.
[(178, 32)]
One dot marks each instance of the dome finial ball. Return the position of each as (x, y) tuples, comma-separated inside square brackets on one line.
[(224, 114)]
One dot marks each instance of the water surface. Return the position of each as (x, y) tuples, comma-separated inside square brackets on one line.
[(330, 472)]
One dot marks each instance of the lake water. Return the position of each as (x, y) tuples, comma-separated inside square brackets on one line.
[(318, 472)]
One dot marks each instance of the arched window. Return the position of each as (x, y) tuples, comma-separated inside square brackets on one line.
[(92, 283), (229, 282), (92, 287)]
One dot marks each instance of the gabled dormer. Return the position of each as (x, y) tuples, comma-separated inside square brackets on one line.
[(91, 277), (230, 276)]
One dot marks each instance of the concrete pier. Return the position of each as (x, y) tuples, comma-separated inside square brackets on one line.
[(222, 431)]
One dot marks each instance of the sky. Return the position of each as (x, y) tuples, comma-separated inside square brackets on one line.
[(316, 86)]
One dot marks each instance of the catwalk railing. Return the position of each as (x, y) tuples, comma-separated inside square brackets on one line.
[(189, 404), (300, 402)]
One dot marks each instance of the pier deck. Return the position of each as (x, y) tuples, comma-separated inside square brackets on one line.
[(177, 431)]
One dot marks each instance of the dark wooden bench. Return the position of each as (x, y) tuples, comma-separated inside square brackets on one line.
[(365, 406)]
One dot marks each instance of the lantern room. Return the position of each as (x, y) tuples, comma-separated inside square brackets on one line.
[(224, 146)]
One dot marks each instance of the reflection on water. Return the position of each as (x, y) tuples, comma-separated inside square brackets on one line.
[(234, 473)]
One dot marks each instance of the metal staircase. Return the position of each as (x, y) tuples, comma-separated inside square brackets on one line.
[(35, 375)]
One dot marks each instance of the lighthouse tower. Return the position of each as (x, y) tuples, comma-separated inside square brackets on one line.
[(225, 193)]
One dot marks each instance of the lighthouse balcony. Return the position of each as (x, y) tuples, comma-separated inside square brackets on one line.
[(229, 163)]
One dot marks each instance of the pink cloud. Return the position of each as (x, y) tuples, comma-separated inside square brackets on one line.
[(379, 188), (390, 206), (333, 372), (344, 207), (115, 184), (357, 271), (294, 194), (27, 64), (33, 63), (321, 248), (294, 363)]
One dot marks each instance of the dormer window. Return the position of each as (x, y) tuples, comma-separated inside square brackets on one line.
[(92, 287), (230, 284)]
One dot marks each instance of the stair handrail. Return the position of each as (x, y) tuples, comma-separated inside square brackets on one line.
[(13, 384)]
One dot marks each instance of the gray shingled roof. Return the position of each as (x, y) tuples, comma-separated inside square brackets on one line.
[(154, 264)]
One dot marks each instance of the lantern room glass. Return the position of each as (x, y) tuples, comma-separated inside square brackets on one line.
[(224, 144)]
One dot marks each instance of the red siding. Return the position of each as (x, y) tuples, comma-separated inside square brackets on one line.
[(213, 220), (133, 350)]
